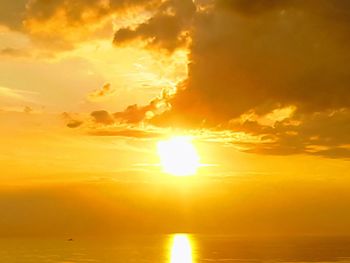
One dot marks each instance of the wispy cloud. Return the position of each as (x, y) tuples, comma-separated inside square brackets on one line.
[(16, 94), (105, 93)]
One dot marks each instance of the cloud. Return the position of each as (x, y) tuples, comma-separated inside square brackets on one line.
[(274, 70), (71, 120), (28, 109), (104, 93), (167, 29), (133, 122), (60, 24), (253, 7), (13, 52), (12, 13), (80, 11), (16, 96), (102, 117), (263, 56), (12, 93), (335, 152), (288, 56), (130, 133), (74, 124), (133, 114), (321, 133)]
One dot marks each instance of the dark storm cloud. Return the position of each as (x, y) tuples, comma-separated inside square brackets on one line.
[(289, 55), (253, 7), (166, 29), (263, 55), (337, 9), (12, 13)]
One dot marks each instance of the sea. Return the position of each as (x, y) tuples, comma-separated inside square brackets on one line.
[(175, 248)]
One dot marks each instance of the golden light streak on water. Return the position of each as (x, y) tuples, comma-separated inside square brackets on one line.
[(181, 249)]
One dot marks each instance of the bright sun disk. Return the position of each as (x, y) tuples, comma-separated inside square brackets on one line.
[(178, 156)]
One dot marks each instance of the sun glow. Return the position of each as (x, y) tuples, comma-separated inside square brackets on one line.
[(181, 249), (178, 156)]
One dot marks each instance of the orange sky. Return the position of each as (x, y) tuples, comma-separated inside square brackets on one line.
[(87, 90)]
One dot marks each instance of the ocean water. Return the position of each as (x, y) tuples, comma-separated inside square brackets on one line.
[(176, 248)]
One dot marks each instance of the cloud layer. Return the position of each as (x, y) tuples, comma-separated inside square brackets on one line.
[(168, 28), (249, 60), (260, 56)]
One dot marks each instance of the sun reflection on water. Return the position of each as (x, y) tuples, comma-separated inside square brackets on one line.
[(181, 249)]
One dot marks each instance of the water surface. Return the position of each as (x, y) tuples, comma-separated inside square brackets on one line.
[(176, 248)]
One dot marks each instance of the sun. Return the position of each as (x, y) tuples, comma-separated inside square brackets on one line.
[(178, 156)]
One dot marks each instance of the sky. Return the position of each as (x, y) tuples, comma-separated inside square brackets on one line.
[(89, 88)]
